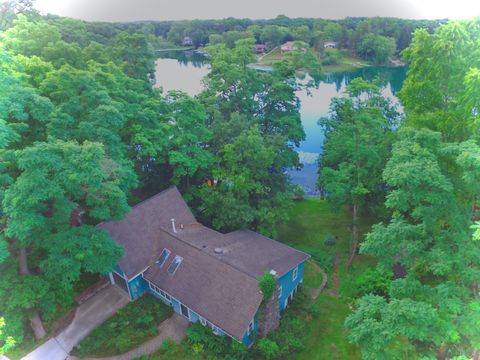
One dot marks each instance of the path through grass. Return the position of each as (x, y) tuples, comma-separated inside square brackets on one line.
[(311, 223)]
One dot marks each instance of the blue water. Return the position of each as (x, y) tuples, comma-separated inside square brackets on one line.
[(185, 71)]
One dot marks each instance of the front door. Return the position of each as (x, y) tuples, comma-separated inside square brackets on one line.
[(120, 282), (184, 310)]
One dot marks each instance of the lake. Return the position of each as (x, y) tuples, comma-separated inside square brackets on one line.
[(185, 71)]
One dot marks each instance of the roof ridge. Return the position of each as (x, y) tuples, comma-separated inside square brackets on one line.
[(206, 253), (269, 239)]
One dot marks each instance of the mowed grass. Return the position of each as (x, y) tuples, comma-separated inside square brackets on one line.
[(311, 222)]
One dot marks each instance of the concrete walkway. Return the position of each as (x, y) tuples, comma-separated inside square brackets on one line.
[(173, 328), (89, 315)]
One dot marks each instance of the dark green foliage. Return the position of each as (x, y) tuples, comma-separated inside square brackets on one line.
[(127, 329), (267, 285), (201, 340), (267, 348), (330, 240), (373, 281)]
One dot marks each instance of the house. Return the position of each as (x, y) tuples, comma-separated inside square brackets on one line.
[(287, 47), (292, 45), (206, 276), (330, 45), (187, 41), (260, 48)]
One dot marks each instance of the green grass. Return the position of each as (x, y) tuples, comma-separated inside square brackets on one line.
[(128, 328), (311, 222), (347, 62)]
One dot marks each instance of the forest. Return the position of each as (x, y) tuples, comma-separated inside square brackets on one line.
[(85, 134)]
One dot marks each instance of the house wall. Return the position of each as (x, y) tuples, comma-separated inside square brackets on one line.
[(289, 285), (137, 286)]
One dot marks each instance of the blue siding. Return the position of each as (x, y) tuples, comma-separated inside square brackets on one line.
[(288, 284), (137, 286), (248, 336)]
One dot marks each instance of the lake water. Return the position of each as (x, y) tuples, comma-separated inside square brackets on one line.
[(185, 71)]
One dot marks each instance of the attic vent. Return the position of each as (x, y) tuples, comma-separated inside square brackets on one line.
[(218, 250)]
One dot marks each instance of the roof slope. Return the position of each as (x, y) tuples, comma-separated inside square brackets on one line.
[(218, 292), (138, 230)]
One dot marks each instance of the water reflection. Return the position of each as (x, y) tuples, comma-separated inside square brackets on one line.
[(184, 70)]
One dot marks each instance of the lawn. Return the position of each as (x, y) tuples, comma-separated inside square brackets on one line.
[(128, 328), (310, 224)]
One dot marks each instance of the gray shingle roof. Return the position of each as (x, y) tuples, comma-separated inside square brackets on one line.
[(221, 287)]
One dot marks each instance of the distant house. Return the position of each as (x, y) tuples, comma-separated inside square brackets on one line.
[(206, 276), (260, 48), (187, 41), (288, 46), (330, 45), (291, 46)]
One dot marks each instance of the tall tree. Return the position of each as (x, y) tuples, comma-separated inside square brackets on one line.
[(357, 140), (432, 309), (438, 92)]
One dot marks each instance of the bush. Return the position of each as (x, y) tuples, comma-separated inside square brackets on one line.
[(267, 285), (330, 240), (268, 348), (373, 281), (331, 57)]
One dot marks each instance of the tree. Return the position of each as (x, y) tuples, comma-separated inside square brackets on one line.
[(377, 48), (427, 234), (438, 92), (56, 179), (357, 136)]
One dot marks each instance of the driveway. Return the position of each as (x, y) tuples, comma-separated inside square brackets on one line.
[(89, 315)]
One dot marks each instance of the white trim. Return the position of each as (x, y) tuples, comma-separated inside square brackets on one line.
[(140, 273), (280, 291), (295, 274), (123, 277), (110, 276)]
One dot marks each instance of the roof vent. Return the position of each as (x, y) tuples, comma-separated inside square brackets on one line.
[(273, 272), (173, 225), (218, 250)]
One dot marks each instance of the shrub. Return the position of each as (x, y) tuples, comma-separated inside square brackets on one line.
[(267, 285), (330, 240), (373, 281), (268, 348)]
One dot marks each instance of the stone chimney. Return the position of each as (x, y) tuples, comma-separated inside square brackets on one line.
[(269, 318)]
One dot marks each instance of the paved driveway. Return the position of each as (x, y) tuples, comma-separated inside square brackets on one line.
[(89, 315)]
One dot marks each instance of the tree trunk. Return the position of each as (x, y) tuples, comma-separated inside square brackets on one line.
[(442, 352), (35, 321), (353, 250), (37, 325), (476, 354)]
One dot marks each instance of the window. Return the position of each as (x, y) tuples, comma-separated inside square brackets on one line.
[(163, 257), (251, 326), (279, 291), (174, 265), (295, 273)]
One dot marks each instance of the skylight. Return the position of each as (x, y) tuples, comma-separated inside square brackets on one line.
[(163, 257), (174, 265)]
